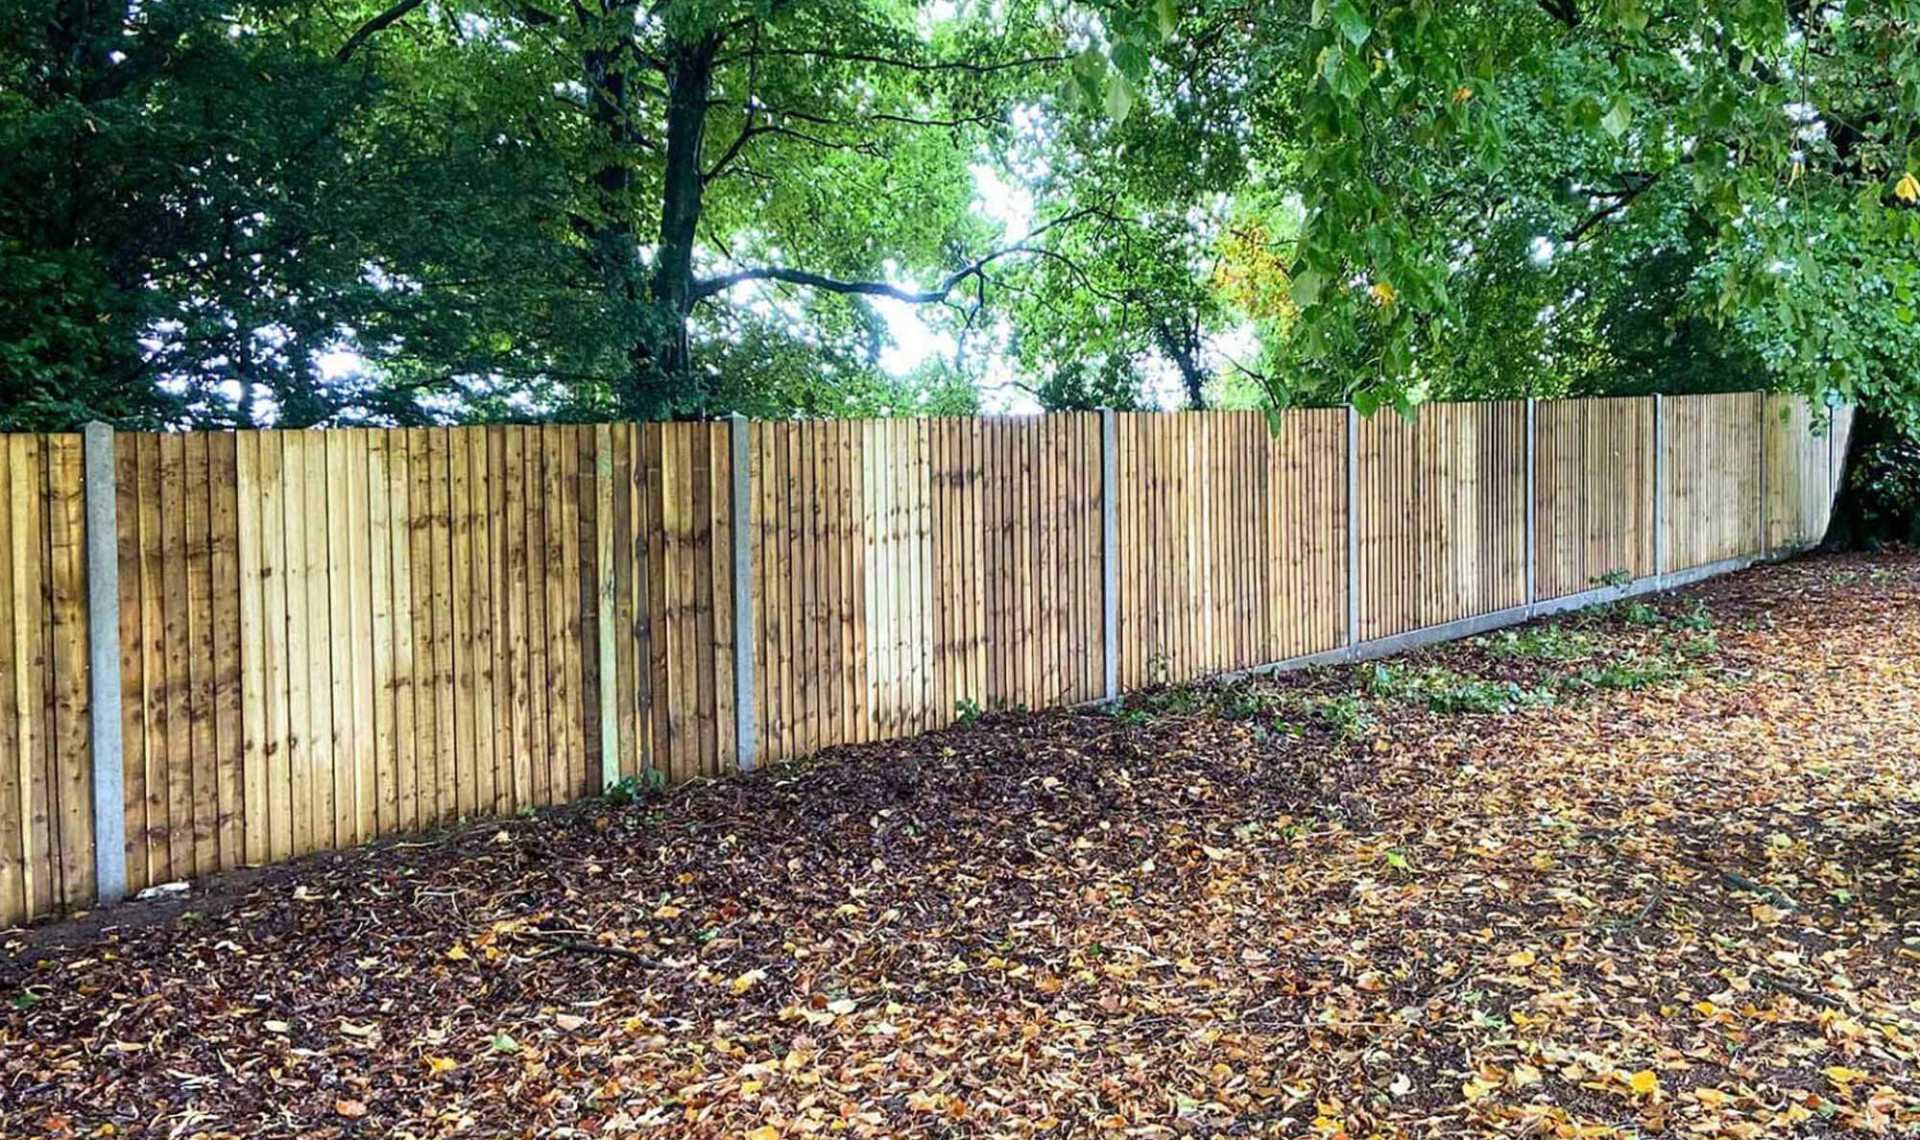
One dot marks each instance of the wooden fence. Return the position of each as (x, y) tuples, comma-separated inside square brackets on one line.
[(328, 637)]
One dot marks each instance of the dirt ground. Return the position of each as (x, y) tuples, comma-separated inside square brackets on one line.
[(1651, 871)]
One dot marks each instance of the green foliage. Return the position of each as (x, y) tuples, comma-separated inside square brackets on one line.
[(1447, 691), (1886, 481), (1630, 672), (1750, 162), (649, 784), (1541, 643), (279, 211)]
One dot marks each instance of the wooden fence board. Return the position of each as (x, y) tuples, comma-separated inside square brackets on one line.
[(332, 636)]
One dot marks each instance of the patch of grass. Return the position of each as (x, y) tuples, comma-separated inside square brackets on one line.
[(1180, 701), (1628, 673), (1540, 643), (1698, 617), (1448, 692), (1346, 714), (633, 789), (1640, 613), (1251, 702), (1706, 645)]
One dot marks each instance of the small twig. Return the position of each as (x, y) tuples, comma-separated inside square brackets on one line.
[(1775, 982), (1646, 908), (582, 946), (1740, 882)]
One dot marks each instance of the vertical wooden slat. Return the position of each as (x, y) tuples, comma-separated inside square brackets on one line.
[(132, 659), (275, 651), (572, 641), (176, 648), (318, 649), (70, 700), (620, 560), (228, 666), (342, 829), (701, 590), (444, 772), (515, 587), (498, 717), (360, 637), (17, 903), (403, 530), (462, 598), (381, 637)]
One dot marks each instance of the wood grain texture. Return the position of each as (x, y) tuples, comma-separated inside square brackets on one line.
[(327, 637)]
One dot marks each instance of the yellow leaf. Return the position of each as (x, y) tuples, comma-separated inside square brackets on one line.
[(1383, 292), (458, 953), (1644, 1083), (1908, 188), (1841, 1075), (1521, 959), (764, 1132), (438, 1065), (746, 981), (1476, 1088)]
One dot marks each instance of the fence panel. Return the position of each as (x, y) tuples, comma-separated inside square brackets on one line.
[(1713, 478), (1231, 541), (46, 829), (327, 637), (1593, 493), (1442, 516)]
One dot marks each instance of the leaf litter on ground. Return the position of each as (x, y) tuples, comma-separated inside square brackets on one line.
[(1645, 871)]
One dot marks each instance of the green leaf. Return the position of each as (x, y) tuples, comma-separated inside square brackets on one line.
[(1119, 100), (1618, 117), (1166, 16), (1352, 22), (1307, 285)]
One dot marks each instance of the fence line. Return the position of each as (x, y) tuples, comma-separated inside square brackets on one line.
[(327, 637)]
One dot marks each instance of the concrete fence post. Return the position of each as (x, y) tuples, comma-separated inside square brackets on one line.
[(1110, 551), (1533, 523), (1659, 485), (1353, 528), (746, 748), (103, 667)]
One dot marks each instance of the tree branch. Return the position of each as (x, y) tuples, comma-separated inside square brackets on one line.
[(708, 286), (968, 66), (1565, 11), (1622, 198), (374, 27)]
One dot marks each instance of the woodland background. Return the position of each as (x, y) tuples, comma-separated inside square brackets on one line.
[(297, 212)]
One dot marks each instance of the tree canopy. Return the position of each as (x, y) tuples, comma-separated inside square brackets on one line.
[(288, 212)]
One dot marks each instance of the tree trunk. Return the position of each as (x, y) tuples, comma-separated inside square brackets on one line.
[(1182, 346), (689, 86), (1849, 528)]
